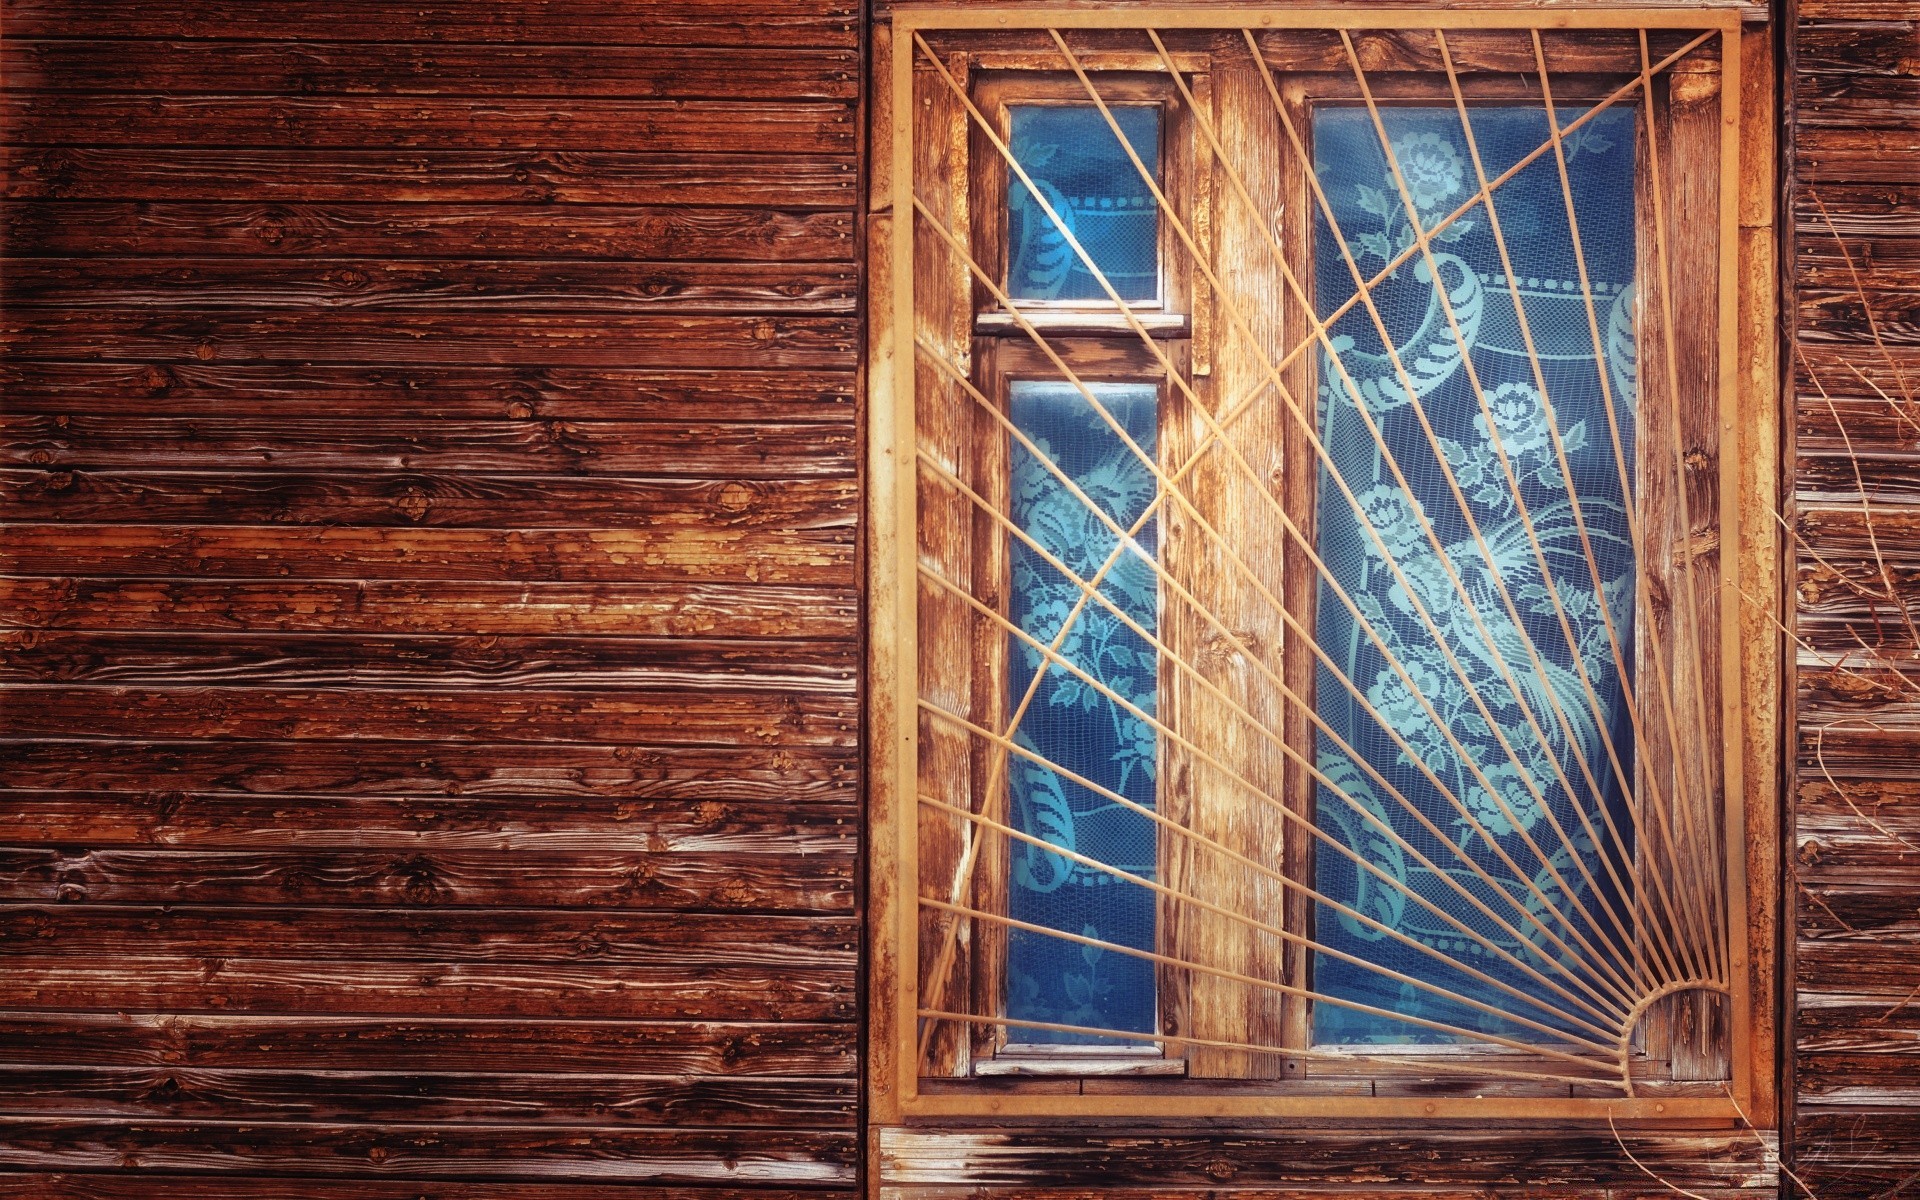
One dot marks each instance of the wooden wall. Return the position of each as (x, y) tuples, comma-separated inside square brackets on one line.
[(1855, 992), (430, 624)]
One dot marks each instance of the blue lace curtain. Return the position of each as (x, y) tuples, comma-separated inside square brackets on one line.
[(1432, 153), (1073, 724), (1074, 160)]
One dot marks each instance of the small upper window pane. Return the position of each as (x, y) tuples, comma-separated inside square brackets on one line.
[(1097, 192)]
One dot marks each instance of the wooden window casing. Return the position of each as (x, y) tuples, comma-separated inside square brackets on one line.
[(938, 305)]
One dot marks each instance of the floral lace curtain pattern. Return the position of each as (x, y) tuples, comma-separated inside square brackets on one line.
[(1475, 578), (1095, 734)]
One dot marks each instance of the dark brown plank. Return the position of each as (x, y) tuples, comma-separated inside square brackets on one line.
[(212, 1041), (143, 1185), (319, 68), (1549, 1158), (76, 173), (612, 232), (789, 881), (1859, 99), (361, 337), (446, 499), (333, 606), (1857, 48), (1874, 317), (258, 983), (668, 716), (1855, 1050), (428, 123), (464, 286), (815, 947), (334, 771), (820, 552), (427, 394), (797, 23), (493, 664), (1846, 155), (177, 820), (460, 453), (447, 1152), (378, 1097)]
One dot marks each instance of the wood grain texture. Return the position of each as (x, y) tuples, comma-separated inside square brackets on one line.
[(429, 640), (1854, 867), (774, 179)]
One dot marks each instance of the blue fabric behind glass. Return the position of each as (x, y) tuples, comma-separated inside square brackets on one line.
[(1432, 152), (1073, 724), (1076, 162)]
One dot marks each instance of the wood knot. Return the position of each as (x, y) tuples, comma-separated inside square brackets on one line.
[(414, 503), (764, 331), (206, 352), (735, 497), (519, 410)]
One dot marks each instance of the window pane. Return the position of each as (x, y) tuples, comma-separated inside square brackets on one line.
[(1534, 547), (1080, 727), (1084, 173)]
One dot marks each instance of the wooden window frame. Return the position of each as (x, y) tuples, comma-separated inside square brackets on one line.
[(1744, 411)]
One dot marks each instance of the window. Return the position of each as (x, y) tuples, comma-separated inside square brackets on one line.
[(1305, 671)]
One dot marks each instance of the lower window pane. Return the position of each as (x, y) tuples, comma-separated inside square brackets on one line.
[(1083, 723), (1535, 846)]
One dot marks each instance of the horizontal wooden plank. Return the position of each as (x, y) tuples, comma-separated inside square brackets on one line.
[(789, 182), (492, 663), (1883, 263), (1845, 1153), (1548, 1157), (446, 1152), (426, 394), (558, 1045), (794, 880), (251, 1185), (1840, 532), (462, 452), (801, 823), (336, 770), (1857, 1051), (1853, 48), (473, 609), (1851, 749), (413, 286), (819, 948), (161, 1093), (1862, 98), (600, 340), (665, 715), (1872, 318), (612, 232), (249, 979), (428, 123), (810, 555), (798, 23), (446, 499), (144, 1185), (1850, 369), (321, 68), (1824, 154)]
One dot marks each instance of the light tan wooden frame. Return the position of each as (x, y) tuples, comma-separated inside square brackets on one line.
[(1749, 581)]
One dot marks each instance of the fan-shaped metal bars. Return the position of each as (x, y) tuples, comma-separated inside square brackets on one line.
[(1569, 915)]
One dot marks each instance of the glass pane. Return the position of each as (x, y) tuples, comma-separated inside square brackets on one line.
[(1540, 781), (1080, 167), (1076, 725)]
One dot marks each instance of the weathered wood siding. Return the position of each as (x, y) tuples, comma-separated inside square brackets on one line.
[(430, 625), (1855, 987)]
